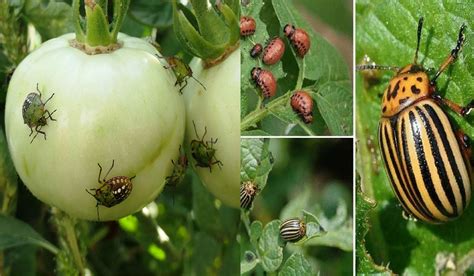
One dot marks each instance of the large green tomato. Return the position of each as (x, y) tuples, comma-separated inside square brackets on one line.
[(218, 109), (120, 106)]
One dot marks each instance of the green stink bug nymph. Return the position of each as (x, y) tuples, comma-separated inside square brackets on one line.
[(203, 152), (112, 191), (34, 113), (179, 170), (181, 70)]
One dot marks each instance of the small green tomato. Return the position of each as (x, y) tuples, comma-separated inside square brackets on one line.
[(34, 113)]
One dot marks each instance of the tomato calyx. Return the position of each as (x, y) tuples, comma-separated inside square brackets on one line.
[(95, 34), (210, 33)]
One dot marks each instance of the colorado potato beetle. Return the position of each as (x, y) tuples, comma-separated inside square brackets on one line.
[(204, 152), (248, 191), (427, 164), (299, 38), (265, 81), (112, 191), (302, 104), (34, 113), (292, 230), (256, 50), (247, 26), (273, 51)]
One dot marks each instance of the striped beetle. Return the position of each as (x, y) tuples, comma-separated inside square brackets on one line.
[(292, 230), (427, 162), (248, 191), (112, 191)]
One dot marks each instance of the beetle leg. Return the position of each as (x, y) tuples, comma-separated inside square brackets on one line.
[(111, 167), (31, 132), (465, 143), (50, 114), (453, 55), (100, 172), (461, 110)]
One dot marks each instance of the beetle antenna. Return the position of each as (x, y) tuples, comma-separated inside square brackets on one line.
[(453, 55), (199, 82), (48, 99), (195, 130), (100, 172), (363, 67), (418, 38)]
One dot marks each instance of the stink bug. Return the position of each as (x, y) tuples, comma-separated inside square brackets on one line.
[(298, 38), (112, 191), (302, 104), (292, 230), (265, 81), (247, 26), (203, 152), (181, 70), (248, 191), (428, 165), (179, 170), (273, 51), (34, 113)]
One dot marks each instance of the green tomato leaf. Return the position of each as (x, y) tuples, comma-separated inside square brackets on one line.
[(256, 161), (409, 247), (365, 264), (295, 265), (249, 262), (313, 227), (51, 20), (255, 230), (269, 248), (158, 13), (334, 101), (209, 250), (14, 232), (205, 211)]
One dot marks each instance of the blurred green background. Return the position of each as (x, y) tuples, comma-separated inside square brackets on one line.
[(315, 175)]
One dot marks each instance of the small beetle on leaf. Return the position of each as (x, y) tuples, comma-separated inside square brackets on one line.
[(203, 151), (179, 170), (112, 191), (181, 70), (34, 113)]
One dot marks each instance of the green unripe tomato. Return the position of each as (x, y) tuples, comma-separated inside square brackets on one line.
[(120, 106), (218, 109)]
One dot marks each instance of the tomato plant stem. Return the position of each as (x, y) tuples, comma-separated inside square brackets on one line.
[(66, 227), (246, 220), (299, 82), (258, 114)]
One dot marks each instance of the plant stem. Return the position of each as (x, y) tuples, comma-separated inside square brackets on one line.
[(246, 220), (70, 248), (299, 82), (257, 115)]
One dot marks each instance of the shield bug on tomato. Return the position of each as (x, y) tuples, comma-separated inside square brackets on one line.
[(292, 230), (247, 26), (203, 152), (179, 170), (265, 81), (302, 104), (181, 70), (299, 38), (427, 163), (35, 115), (256, 50), (273, 51), (248, 191), (112, 191)]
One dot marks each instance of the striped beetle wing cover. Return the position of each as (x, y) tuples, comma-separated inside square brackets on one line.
[(424, 162)]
